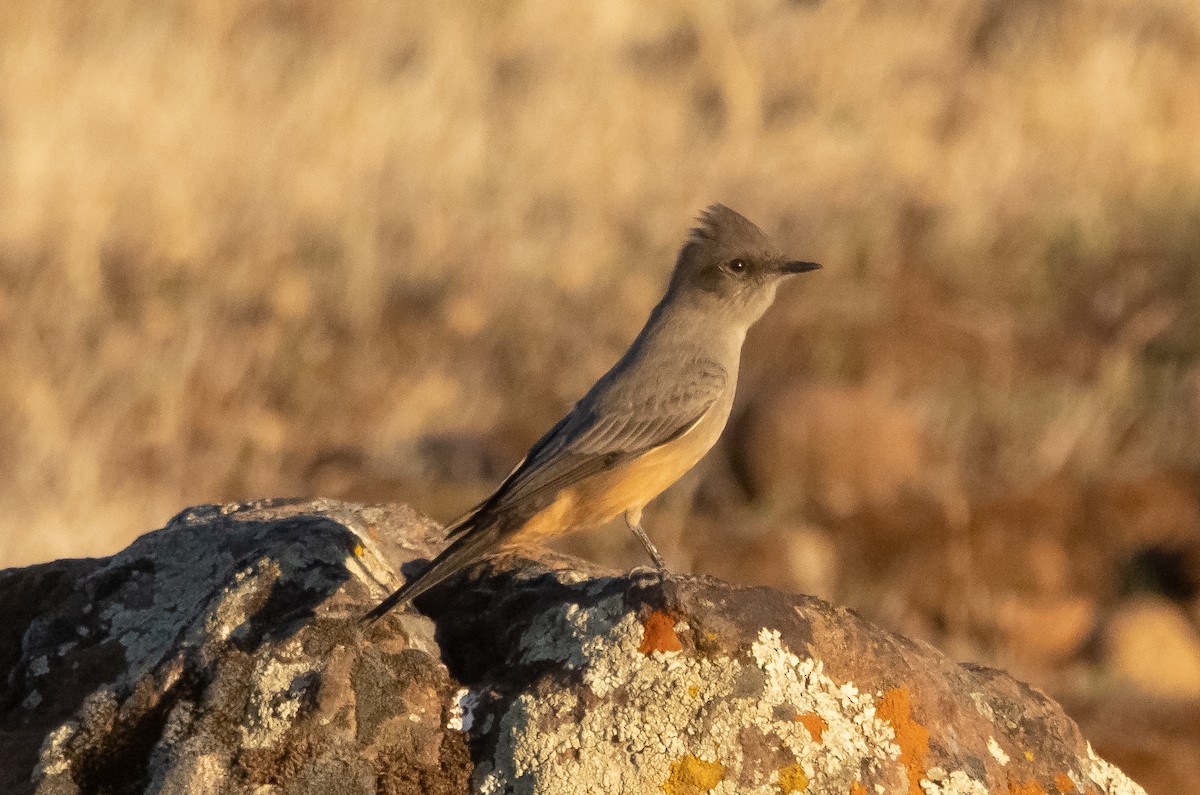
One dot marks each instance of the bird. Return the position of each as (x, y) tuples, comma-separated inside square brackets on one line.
[(645, 422)]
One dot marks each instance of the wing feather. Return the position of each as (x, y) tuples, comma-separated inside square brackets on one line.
[(598, 435)]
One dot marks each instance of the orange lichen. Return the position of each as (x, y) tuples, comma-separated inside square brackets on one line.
[(1028, 788), (858, 789), (358, 550), (912, 737), (658, 633), (1029, 756), (1064, 784), (815, 724), (792, 779), (692, 775)]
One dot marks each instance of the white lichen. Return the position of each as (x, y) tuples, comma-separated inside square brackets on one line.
[(52, 760), (279, 687), (939, 782), (1109, 778), (997, 752), (983, 707), (650, 710), (461, 710)]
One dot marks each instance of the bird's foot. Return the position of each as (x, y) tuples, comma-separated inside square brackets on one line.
[(652, 575), (636, 527)]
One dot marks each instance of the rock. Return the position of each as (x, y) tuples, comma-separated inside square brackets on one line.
[(222, 654), (1157, 740)]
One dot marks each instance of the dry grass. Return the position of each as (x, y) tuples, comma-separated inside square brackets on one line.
[(218, 220), (276, 247)]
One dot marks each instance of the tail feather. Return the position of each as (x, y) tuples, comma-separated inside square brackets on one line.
[(464, 524), (470, 544)]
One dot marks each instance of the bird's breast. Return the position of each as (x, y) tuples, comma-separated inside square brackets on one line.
[(631, 484)]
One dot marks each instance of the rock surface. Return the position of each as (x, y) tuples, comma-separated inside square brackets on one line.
[(221, 654)]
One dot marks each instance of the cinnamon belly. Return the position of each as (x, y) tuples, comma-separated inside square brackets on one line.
[(606, 495)]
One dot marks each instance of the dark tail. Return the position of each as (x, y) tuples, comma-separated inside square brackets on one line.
[(470, 544)]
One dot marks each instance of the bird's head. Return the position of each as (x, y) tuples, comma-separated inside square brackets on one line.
[(729, 261)]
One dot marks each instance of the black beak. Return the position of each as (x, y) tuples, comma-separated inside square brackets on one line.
[(795, 266)]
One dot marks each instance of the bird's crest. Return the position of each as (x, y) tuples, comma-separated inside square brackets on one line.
[(724, 227)]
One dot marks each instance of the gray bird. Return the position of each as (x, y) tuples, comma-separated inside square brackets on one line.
[(647, 421)]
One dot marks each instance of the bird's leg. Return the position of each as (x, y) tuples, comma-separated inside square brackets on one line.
[(633, 518)]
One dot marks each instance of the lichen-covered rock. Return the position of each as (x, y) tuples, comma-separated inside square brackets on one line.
[(222, 654), (692, 685)]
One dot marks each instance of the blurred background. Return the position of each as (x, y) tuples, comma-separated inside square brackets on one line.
[(371, 250)]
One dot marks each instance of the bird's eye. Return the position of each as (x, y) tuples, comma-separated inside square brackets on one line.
[(737, 265)]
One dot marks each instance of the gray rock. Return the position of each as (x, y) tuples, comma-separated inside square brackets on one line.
[(222, 654)]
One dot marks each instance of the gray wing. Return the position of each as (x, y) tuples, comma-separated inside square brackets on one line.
[(606, 429), (623, 416)]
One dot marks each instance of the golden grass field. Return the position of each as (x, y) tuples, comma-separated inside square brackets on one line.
[(371, 250)]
